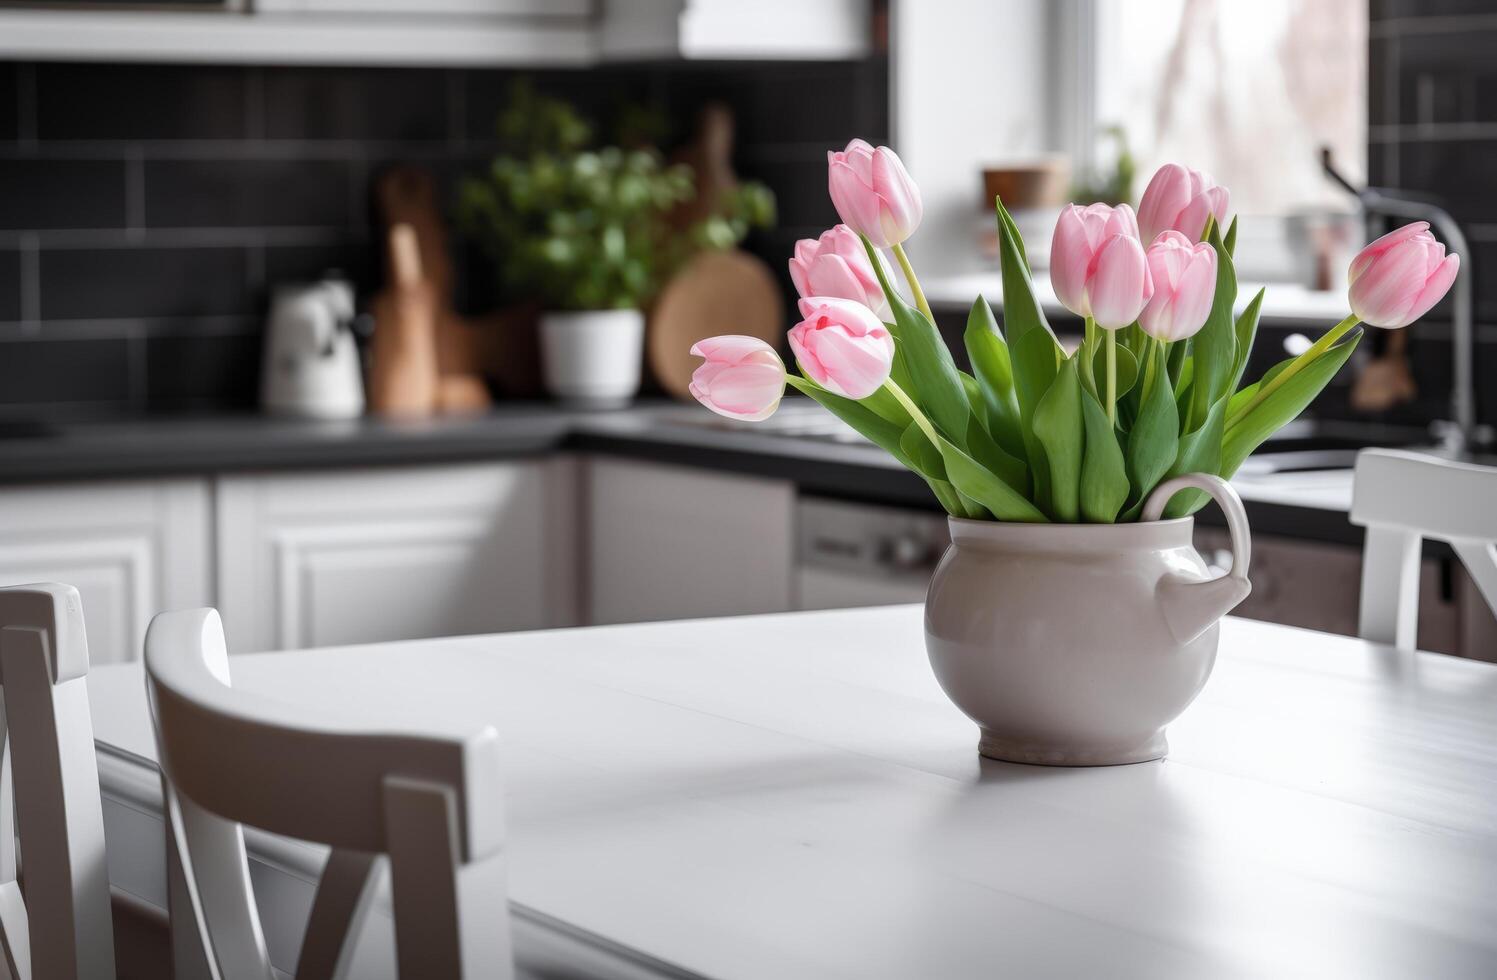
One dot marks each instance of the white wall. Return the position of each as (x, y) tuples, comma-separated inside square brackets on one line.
[(972, 85)]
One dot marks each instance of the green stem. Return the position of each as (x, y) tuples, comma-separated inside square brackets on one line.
[(1112, 377), (909, 277), (1295, 366), (1148, 355), (915, 413)]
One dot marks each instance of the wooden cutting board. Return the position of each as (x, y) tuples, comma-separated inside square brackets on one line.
[(727, 292)]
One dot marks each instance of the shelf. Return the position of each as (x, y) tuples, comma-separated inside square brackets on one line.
[(158, 36)]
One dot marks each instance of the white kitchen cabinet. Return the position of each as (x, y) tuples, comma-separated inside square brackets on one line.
[(132, 549), (668, 542), (353, 556)]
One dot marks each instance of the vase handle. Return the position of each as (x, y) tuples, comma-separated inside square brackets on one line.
[(1192, 606)]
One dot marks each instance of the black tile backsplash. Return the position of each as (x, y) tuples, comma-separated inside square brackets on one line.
[(219, 193), (144, 282), (140, 102), (1432, 115), (147, 212), (65, 372), (363, 104), (43, 192), (10, 284)]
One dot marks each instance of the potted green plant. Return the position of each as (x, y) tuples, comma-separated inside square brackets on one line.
[(587, 234)]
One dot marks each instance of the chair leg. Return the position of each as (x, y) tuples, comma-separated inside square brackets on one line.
[(15, 931), (58, 813), (451, 916), (1390, 588)]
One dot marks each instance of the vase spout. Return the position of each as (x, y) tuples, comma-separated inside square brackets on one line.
[(1191, 607)]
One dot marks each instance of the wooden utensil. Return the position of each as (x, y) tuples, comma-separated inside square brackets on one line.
[(715, 292), (461, 349), (725, 292)]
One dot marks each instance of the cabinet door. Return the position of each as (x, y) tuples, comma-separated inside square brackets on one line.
[(359, 556), (673, 543), (131, 548)]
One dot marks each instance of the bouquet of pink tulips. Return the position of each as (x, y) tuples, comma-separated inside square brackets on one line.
[(1034, 433)]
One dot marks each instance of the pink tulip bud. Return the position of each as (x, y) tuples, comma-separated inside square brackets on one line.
[(842, 346), (1396, 279), (873, 193), (1181, 199), (1184, 274), (1097, 264), (743, 378), (836, 264)]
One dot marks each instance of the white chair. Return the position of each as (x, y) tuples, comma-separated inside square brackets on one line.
[(430, 802), (1403, 498), (58, 927)]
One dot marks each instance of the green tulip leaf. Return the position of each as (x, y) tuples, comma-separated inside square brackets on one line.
[(936, 386), (973, 480), (1247, 332), (1153, 440), (877, 429), (1214, 347), (1127, 369), (1200, 452), (1284, 404), (1060, 431), (1032, 345), (1104, 475), (994, 375), (933, 468)]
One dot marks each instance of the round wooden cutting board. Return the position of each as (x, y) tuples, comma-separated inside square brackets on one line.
[(727, 292)]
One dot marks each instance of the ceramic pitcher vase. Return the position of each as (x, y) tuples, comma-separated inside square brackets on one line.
[(1076, 644)]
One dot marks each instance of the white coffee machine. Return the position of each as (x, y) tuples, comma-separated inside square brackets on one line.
[(311, 365)]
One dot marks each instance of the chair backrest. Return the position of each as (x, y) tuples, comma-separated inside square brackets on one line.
[(430, 802), (1403, 498), (59, 925)]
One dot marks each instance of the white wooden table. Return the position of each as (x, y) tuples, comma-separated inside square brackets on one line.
[(792, 797)]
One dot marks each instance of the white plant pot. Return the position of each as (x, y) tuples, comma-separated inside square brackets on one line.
[(1076, 644), (593, 357)]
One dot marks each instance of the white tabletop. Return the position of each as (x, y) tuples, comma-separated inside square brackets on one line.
[(792, 797)]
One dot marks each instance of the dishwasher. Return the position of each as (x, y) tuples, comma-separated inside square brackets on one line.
[(854, 554)]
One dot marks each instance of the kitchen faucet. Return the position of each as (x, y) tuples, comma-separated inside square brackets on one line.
[(1460, 434)]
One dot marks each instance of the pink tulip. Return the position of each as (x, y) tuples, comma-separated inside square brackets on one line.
[(873, 193), (743, 378), (836, 264), (1181, 199), (1097, 264), (1184, 274), (1396, 279), (842, 346)]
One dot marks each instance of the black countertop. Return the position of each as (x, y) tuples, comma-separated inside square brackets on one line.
[(800, 444)]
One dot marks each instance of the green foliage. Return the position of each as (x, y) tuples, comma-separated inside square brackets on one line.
[(1026, 436), (575, 228)]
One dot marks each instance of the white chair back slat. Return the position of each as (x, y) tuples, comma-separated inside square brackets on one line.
[(1401, 498), (428, 801), (59, 925)]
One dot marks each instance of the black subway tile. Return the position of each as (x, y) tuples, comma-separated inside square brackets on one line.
[(1457, 173), (1447, 77), (10, 284), (197, 372), (307, 263), (41, 371), (133, 102), (1418, 9), (62, 193), (10, 101), (143, 282), (353, 104), (246, 193)]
